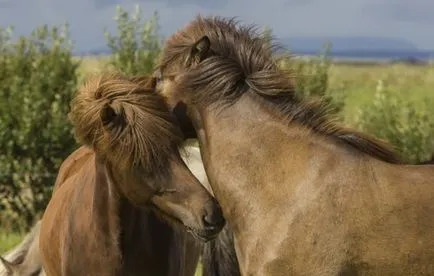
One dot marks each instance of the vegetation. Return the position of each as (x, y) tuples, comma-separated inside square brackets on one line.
[(136, 45), (37, 80), (38, 76)]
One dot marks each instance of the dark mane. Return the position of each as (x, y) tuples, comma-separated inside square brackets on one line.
[(141, 133), (241, 60)]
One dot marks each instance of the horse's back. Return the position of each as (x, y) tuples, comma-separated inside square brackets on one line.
[(72, 164)]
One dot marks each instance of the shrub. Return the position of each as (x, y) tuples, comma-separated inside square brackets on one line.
[(37, 80), (311, 74), (407, 125), (312, 78), (136, 45)]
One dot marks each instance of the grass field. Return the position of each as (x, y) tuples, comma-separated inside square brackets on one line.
[(9, 240), (357, 82)]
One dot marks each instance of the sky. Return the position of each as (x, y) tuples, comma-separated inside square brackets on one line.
[(409, 20)]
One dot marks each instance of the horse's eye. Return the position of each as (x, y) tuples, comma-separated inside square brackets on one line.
[(161, 191)]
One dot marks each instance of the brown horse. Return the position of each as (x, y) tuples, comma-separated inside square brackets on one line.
[(302, 195), (182, 252), (98, 219)]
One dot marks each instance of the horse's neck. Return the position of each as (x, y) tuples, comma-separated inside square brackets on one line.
[(245, 149), (224, 139)]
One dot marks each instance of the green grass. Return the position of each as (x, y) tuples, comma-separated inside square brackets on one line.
[(359, 83), (199, 269), (9, 240)]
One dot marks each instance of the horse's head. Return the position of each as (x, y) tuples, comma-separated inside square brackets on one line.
[(133, 133), (212, 62), (169, 85), (175, 67)]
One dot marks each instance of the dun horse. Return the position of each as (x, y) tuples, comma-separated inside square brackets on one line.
[(97, 220), (302, 195)]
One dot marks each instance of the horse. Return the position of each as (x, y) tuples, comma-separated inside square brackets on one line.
[(25, 260), (129, 175), (302, 194)]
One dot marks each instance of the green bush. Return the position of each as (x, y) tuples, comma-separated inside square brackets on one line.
[(37, 79), (407, 125), (136, 45), (311, 76)]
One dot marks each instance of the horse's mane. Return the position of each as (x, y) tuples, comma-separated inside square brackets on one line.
[(241, 60), (219, 256), (124, 120)]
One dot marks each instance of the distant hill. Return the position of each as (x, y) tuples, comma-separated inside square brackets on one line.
[(359, 47), (348, 43)]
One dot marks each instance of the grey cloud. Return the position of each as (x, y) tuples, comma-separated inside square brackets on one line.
[(286, 17), (5, 4), (209, 4), (100, 4), (416, 11), (299, 2)]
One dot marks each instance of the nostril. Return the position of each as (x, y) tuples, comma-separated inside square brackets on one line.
[(213, 215)]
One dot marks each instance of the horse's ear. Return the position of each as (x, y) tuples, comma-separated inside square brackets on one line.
[(110, 117), (8, 265), (200, 48)]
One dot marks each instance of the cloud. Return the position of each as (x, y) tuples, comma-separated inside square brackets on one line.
[(384, 18), (416, 11), (299, 2), (101, 4), (208, 4)]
